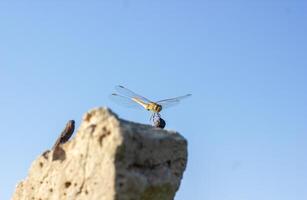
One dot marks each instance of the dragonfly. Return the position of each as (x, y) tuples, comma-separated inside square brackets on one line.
[(128, 98)]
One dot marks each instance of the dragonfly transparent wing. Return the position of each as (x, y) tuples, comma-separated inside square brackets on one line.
[(166, 103), (124, 101), (128, 93)]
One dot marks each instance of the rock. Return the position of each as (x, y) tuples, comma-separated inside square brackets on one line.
[(159, 122), (109, 159)]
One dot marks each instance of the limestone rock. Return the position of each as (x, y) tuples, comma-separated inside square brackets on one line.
[(109, 159)]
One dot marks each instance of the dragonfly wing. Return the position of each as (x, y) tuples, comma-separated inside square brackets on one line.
[(128, 93), (166, 103), (124, 101)]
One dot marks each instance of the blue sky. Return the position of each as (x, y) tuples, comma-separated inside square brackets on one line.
[(244, 62)]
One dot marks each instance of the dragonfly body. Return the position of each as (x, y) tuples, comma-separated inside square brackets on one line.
[(151, 106)]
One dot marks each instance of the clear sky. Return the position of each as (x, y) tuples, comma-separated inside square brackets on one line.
[(245, 62)]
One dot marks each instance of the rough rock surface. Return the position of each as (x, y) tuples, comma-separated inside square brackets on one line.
[(109, 159)]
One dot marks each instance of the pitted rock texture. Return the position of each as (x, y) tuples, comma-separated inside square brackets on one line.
[(109, 159)]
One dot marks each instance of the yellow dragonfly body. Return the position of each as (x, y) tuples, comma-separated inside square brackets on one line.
[(131, 99), (151, 106)]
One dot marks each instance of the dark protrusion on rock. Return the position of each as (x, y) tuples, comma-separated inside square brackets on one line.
[(58, 152), (159, 122), (66, 133)]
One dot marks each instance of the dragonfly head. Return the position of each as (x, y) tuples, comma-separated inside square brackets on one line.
[(159, 107)]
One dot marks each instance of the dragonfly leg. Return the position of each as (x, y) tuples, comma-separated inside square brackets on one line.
[(152, 118)]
